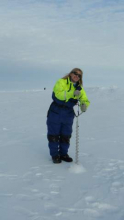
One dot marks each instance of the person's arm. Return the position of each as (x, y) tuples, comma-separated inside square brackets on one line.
[(83, 98)]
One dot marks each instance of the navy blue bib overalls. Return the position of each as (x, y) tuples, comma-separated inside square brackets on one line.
[(59, 123)]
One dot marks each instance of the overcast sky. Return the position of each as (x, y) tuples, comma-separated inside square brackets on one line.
[(42, 40)]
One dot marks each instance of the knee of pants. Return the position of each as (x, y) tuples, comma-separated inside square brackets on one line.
[(65, 139), (53, 138)]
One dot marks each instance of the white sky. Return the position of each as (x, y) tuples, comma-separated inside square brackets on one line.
[(44, 40)]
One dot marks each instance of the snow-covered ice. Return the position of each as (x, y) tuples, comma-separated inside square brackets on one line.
[(32, 187)]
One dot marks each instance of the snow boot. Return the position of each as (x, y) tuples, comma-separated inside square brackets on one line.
[(66, 158), (56, 159)]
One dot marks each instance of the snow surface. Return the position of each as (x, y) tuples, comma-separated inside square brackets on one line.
[(32, 187)]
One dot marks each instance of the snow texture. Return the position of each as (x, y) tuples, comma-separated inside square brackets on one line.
[(32, 187)]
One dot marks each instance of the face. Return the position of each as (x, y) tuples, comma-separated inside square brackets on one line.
[(75, 77)]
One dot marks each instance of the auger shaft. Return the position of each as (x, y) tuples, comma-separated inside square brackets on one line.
[(77, 142)]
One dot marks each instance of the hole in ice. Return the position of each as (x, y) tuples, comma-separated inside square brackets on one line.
[(75, 168)]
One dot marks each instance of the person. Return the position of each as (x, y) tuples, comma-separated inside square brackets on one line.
[(66, 94)]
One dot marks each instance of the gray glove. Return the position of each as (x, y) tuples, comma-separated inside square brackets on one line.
[(77, 93), (83, 107)]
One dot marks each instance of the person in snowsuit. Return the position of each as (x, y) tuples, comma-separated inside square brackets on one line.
[(66, 94)]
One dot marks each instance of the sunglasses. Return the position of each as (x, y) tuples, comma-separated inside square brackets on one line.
[(76, 74)]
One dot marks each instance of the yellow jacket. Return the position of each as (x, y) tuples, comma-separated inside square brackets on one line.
[(64, 91)]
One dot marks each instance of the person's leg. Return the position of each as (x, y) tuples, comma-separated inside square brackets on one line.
[(53, 132), (64, 143), (53, 143), (65, 135), (66, 131)]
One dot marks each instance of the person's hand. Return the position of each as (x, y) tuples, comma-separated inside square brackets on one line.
[(78, 88), (83, 107), (77, 93)]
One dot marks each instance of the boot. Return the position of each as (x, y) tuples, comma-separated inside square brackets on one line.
[(56, 159), (66, 158)]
